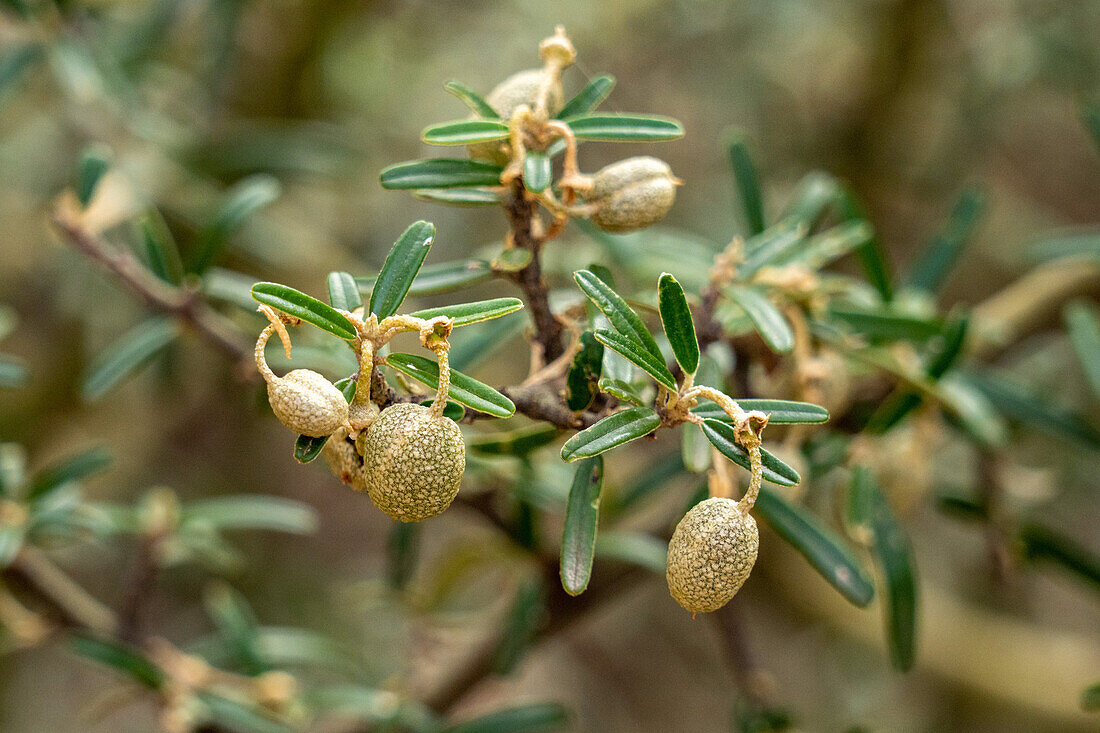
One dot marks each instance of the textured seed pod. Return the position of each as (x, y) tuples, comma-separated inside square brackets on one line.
[(307, 403), (632, 194), (344, 460), (711, 554), (520, 88), (412, 462)]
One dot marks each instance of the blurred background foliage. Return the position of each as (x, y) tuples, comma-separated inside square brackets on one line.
[(914, 102)]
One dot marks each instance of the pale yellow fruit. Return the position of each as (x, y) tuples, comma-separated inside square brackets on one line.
[(711, 554), (632, 194), (307, 403), (412, 462), (506, 97), (344, 460)]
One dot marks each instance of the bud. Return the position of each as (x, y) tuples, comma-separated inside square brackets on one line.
[(344, 460), (412, 462), (632, 194), (711, 554), (307, 403)]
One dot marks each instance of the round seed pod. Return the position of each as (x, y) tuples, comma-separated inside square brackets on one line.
[(307, 403), (632, 194), (506, 97), (711, 554), (412, 462), (344, 460)]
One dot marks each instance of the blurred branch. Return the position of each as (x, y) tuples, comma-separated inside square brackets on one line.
[(74, 605), (184, 303)]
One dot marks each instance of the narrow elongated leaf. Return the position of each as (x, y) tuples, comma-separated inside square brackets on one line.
[(773, 245), (161, 253), (465, 132), (723, 437), (402, 263), (1085, 246), (515, 443), (343, 292), (458, 196), (769, 322), (677, 322), (625, 128), (1042, 543), (872, 255), (582, 515), (584, 373), (17, 58), (441, 278), (622, 316), (94, 162), (466, 313), (611, 432), (1090, 696), (474, 345), (822, 249), (473, 101), (895, 559), (588, 98), (522, 623), (536, 171), (748, 186), (948, 352), (309, 309), (224, 713), (642, 359), (463, 390), (402, 548), (632, 547), (941, 254), (306, 447), (815, 193), (12, 373), (440, 173), (11, 542), (535, 718), (779, 411), (76, 468), (272, 513), (1018, 403), (136, 347), (121, 657), (1083, 326), (511, 259), (884, 324), (824, 550), (243, 200), (973, 411), (694, 449)]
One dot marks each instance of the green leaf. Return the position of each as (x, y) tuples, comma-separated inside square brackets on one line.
[(894, 557), (826, 552), (512, 259), (973, 411), (948, 351), (452, 410), (625, 128), (832, 244), (71, 470), (458, 196), (465, 132), (402, 546), (622, 316), (400, 269), (582, 515), (515, 443), (243, 200), (309, 309), (12, 373), (135, 348), (440, 173), (441, 278), (253, 511), (11, 542), (815, 193), (473, 101), (343, 292), (694, 449), (224, 713), (780, 412), (533, 718), (677, 322), (642, 359), (466, 313), (1041, 543), (633, 547), (463, 390), (1017, 403), (769, 322), (520, 626), (94, 162), (1086, 245), (935, 262), (748, 185), (1090, 696), (872, 255), (611, 432), (121, 657), (236, 626), (587, 99), (307, 448), (536, 171), (1083, 326), (723, 437), (885, 324), (16, 62), (775, 244), (584, 373), (161, 253)]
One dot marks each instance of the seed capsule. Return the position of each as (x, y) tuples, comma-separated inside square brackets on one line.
[(506, 97), (307, 403), (632, 194), (711, 554), (344, 460), (412, 462)]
